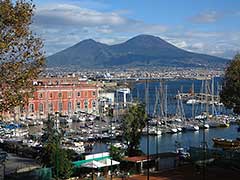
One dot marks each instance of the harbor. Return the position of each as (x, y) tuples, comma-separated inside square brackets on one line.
[(115, 90), (98, 138), (171, 120), (173, 125)]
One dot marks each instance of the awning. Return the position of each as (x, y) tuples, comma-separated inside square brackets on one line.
[(93, 164), (81, 162), (98, 160), (109, 162), (96, 163)]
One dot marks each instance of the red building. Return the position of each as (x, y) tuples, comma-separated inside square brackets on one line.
[(63, 95)]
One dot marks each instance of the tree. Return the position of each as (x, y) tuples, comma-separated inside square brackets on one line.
[(21, 54), (133, 123), (48, 130), (230, 94), (116, 153), (52, 154)]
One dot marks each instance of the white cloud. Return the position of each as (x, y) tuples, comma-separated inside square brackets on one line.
[(65, 14), (111, 40), (207, 17), (201, 34), (222, 44), (91, 4), (180, 43), (198, 45), (62, 25)]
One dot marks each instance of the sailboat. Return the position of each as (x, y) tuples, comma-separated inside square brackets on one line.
[(219, 120), (204, 116), (178, 118), (187, 126)]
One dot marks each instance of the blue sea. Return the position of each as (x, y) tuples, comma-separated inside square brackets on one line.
[(171, 89), (167, 142)]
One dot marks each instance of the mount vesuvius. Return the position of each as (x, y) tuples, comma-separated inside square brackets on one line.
[(142, 50)]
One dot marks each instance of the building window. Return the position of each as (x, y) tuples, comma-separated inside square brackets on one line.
[(40, 95), (78, 105), (59, 94), (69, 94), (31, 108), (50, 107), (40, 107), (60, 106), (86, 94), (50, 95), (69, 106), (86, 104), (94, 104), (94, 93), (78, 94)]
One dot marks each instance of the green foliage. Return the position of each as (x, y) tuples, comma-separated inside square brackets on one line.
[(133, 123), (49, 130), (21, 55), (230, 94), (52, 154), (62, 167), (116, 153)]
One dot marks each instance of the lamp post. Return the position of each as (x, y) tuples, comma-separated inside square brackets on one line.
[(148, 149), (110, 115), (147, 112)]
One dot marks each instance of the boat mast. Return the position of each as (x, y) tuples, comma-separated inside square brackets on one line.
[(218, 98), (206, 97), (212, 95), (178, 110), (155, 108), (182, 110), (146, 98), (193, 103), (156, 102), (165, 98), (161, 99), (202, 91)]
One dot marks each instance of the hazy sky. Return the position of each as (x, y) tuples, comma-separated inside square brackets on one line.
[(205, 26)]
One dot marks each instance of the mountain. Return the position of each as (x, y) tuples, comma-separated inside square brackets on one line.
[(142, 50)]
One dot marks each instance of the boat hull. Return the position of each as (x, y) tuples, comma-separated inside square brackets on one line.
[(226, 142)]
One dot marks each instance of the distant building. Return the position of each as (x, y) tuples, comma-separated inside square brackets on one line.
[(63, 95), (122, 96), (70, 95), (106, 99), (117, 98)]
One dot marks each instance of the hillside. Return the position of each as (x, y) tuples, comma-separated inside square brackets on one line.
[(142, 50)]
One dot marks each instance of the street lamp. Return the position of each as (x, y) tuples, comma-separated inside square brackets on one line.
[(110, 115)]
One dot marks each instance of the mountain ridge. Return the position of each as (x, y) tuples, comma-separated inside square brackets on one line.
[(141, 50)]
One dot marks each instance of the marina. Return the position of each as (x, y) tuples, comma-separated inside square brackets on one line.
[(174, 126), (115, 90), (93, 136), (169, 117)]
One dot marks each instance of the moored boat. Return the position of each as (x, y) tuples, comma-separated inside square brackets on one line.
[(174, 130), (204, 126), (224, 124), (226, 142), (191, 127)]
